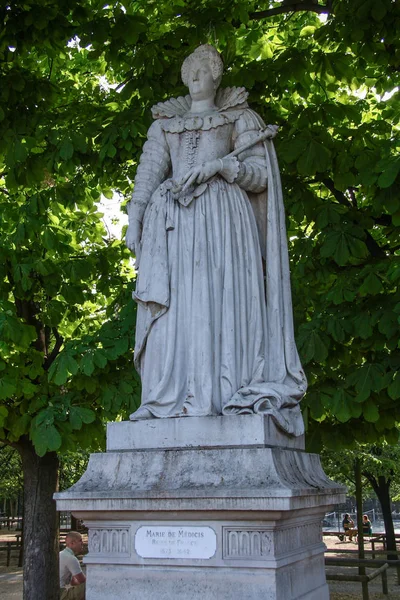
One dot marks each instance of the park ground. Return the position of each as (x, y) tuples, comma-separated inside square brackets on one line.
[(11, 579)]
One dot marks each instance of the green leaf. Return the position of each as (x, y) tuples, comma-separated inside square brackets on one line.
[(66, 149), (100, 359), (369, 378), (86, 364), (64, 366), (387, 178), (341, 405), (7, 388), (362, 326), (21, 426), (307, 31), (45, 439), (311, 346), (75, 419), (29, 389), (371, 285), (79, 142), (343, 245), (107, 193), (111, 150), (370, 411), (3, 415), (125, 387), (378, 11), (50, 240), (396, 218), (86, 414), (392, 437), (342, 254), (291, 150), (394, 387), (315, 158), (357, 247), (20, 152)]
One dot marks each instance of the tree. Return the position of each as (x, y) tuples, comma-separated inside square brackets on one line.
[(66, 323), (379, 465), (77, 80)]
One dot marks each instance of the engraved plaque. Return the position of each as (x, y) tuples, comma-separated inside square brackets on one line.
[(162, 541)]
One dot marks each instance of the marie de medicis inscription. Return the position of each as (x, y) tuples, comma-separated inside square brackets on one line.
[(175, 542)]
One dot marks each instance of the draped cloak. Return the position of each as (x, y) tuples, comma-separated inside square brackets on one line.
[(212, 336)]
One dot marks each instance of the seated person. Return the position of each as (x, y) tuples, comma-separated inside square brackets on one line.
[(348, 526), (366, 525), (72, 580)]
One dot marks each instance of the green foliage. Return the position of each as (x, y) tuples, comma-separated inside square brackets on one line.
[(77, 80), (10, 473), (66, 316), (72, 467), (377, 462)]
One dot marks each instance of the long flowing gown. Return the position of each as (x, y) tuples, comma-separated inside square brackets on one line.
[(203, 330)]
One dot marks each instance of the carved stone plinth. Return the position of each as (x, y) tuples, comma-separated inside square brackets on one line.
[(202, 520)]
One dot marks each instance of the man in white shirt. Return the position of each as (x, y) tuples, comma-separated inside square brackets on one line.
[(72, 580)]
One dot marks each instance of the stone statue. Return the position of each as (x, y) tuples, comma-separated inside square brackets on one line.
[(211, 337)]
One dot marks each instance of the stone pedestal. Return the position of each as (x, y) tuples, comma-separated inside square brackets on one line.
[(203, 508)]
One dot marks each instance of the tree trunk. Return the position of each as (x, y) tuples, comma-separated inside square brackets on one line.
[(40, 531), (381, 487), (360, 534)]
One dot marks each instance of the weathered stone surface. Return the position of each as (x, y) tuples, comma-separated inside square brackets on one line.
[(200, 432), (207, 479), (207, 205), (135, 583), (236, 522), (280, 559)]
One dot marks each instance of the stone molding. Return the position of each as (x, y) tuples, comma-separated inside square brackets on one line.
[(109, 541), (247, 543)]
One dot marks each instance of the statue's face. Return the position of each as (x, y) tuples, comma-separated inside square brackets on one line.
[(200, 80)]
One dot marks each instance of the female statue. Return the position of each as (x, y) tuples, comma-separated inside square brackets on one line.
[(210, 339)]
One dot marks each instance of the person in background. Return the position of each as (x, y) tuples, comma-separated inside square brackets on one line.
[(348, 526), (72, 580), (366, 525)]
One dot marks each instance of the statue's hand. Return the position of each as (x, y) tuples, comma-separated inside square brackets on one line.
[(133, 237), (200, 173)]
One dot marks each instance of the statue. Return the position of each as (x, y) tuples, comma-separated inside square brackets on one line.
[(211, 337)]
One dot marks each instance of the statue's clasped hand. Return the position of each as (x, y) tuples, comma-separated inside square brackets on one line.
[(199, 174)]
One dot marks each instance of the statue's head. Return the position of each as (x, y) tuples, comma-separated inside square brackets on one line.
[(202, 71)]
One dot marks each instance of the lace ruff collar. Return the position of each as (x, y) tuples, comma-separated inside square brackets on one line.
[(175, 118)]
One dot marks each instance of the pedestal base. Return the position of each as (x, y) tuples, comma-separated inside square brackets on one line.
[(240, 521)]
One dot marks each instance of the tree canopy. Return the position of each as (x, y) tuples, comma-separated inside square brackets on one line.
[(372, 466)]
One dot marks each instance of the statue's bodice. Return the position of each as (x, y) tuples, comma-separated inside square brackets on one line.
[(191, 148), (177, 143)]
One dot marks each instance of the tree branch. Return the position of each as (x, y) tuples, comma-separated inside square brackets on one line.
[(288, 7), (339, 196), (54, 353), (27, 310), (373, 482)]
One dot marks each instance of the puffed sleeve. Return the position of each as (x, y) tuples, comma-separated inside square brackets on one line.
[(249, 169), (153, 169)]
